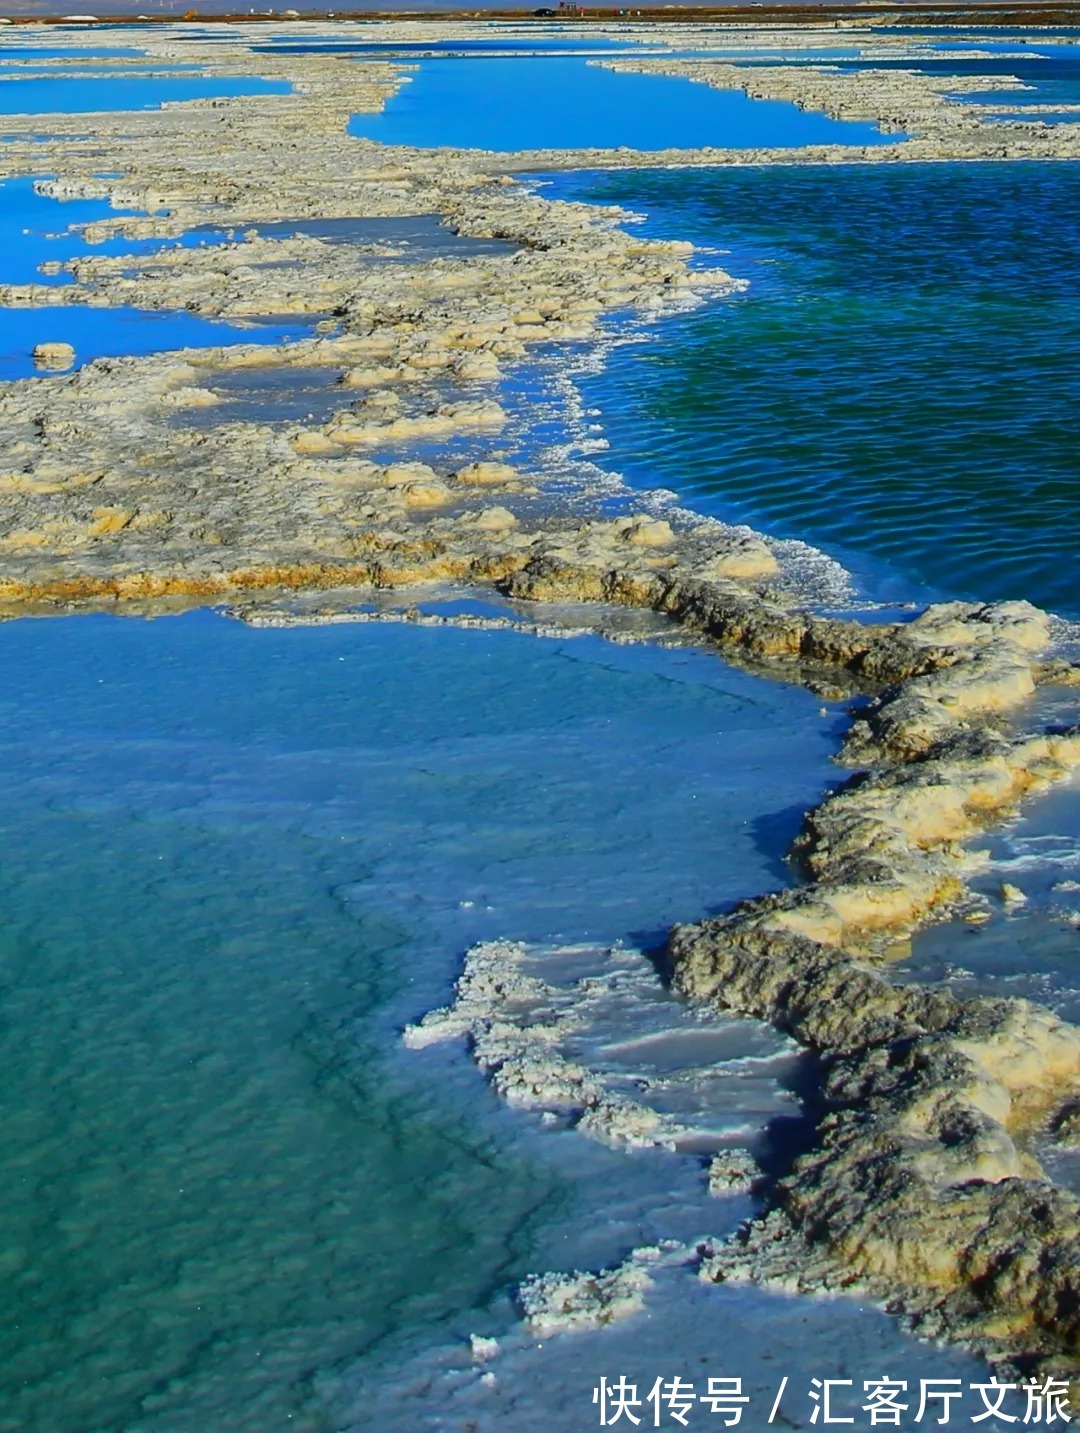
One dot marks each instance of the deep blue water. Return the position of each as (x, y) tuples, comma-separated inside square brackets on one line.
[(897, 386), (1054, 76), (512, 104)]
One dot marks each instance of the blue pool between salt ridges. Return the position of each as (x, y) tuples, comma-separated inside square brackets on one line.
[(91, 96), (1051, 76), (35, 228), (128, 331), (507, 104), (238, 860)]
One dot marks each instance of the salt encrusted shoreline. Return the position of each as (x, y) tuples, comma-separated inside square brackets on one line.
[(919, 1183)]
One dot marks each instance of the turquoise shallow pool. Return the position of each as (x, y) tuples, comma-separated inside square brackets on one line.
[(563, 103), (897, 384), (233, 861)]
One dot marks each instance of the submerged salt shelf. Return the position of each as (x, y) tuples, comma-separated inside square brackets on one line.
[(775, 1343), (236, 860), (521, 104)]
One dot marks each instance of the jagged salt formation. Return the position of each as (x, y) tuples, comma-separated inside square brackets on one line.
[(925, 107), (920, 1184), (566, 1303), (515, 1023)]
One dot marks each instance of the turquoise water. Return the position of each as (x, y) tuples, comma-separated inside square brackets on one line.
[(68, 96), (561, 103), (897, 384), (234, 860)]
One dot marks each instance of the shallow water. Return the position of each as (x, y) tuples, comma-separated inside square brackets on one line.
[(537, 44), (125, 331), (774, 1343), (238, 860), (229, 855), (511, 104), (896, 384), (1028, 881), (44, 52), (1028, 945), (33, 229), (1052, 77), (10, 68), (95, 96)]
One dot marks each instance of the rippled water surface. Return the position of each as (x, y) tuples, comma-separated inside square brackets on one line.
[(1050, 76), (236, 861), (899, 381)]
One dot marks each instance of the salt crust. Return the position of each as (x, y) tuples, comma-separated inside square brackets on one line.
[(919, 1186)]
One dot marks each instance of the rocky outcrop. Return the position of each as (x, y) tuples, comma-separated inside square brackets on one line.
[(919, 1184)]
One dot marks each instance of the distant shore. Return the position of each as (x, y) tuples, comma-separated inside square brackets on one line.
[(1037, 15)]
